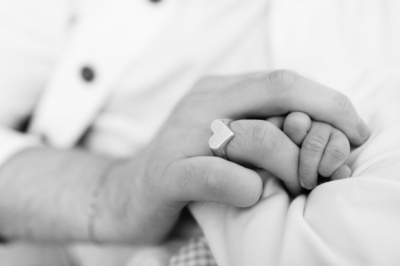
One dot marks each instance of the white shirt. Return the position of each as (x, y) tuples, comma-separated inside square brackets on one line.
[(146, 55), (128, 44)]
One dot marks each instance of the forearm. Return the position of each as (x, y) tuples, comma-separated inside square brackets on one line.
[(45, 194)]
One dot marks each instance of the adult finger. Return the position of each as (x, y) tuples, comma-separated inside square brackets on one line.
[(261, 144), (213, 179), (296, 126), (335, 154), (281, 92), (311, 153)]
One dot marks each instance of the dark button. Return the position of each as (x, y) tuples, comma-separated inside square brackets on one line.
[(155, 1), (87, 74)]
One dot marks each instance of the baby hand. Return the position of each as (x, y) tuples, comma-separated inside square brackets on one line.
[(323, 148)]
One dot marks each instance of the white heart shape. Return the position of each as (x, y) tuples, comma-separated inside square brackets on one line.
[(222, 134)]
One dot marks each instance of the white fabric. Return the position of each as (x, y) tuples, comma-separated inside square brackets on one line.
[(146, 56), (29, 41), (128, 44)]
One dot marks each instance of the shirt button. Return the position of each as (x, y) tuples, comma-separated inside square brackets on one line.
[(155, 1), (88, 74)]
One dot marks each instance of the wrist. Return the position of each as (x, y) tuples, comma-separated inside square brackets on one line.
[(130, 211), (118, 217)]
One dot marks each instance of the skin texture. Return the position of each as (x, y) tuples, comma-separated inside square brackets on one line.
[(323, 149), (143, 196)]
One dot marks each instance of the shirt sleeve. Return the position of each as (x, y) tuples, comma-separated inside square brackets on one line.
[(31, 37)]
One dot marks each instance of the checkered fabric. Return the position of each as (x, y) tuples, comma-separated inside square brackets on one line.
[(196, 253)]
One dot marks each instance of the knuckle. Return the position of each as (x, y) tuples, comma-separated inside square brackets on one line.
[(343, 102), (265, 139), (246, 81), (261, 134), (282, 80), (338, 152), (315, 144)]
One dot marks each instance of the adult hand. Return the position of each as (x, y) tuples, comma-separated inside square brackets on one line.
[(178, 166)]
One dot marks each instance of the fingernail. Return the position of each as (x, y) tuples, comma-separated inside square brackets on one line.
[(307, 185), (363, 130)]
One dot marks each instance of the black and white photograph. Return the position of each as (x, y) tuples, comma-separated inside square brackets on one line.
[(199, 132)]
